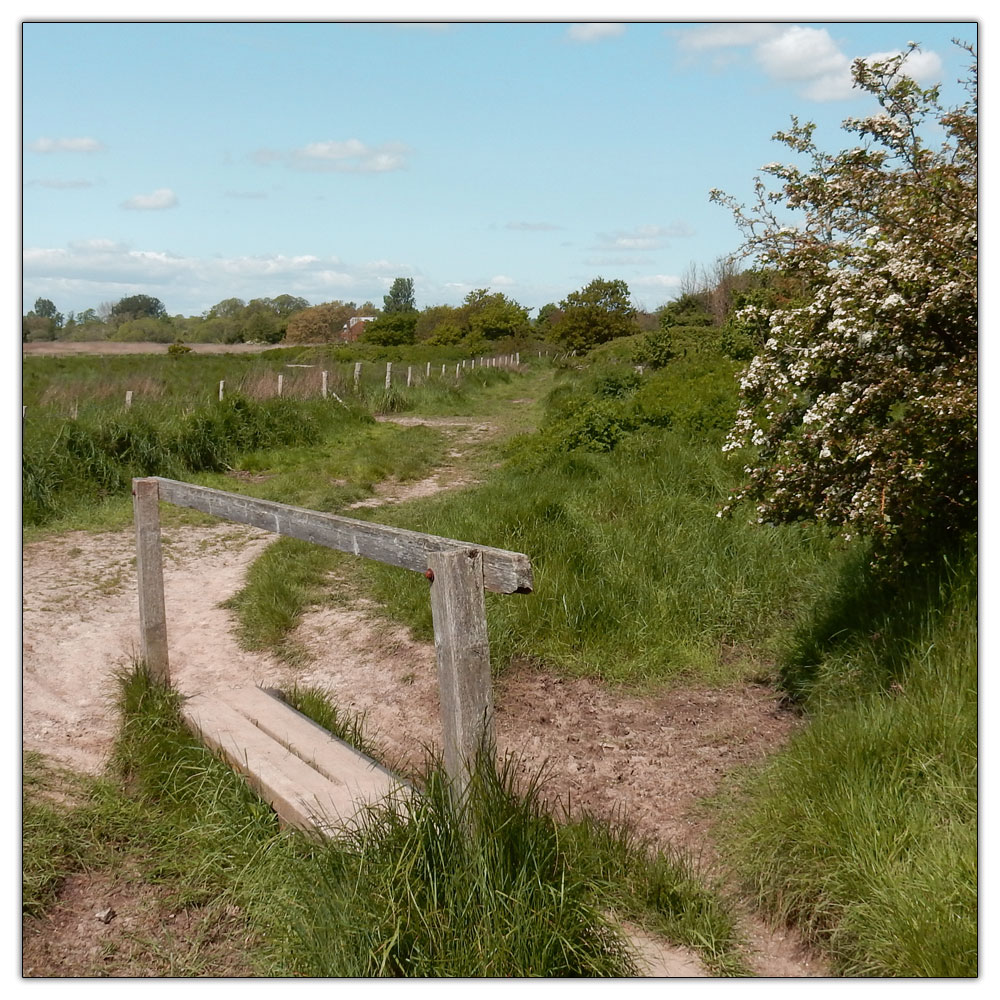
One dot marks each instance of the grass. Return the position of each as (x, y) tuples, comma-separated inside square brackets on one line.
[(864, 831), (490, 886), (636, 580)]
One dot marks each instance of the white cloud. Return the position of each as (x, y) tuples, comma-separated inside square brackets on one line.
[(594, 31), (502, 281), (82, 144), (807, 58), (924, 67), (801, 54), (159, 199), (349, 156)]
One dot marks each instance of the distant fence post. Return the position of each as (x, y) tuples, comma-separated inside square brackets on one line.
[(281, 379), (442, 371), (388, 374), (149, 571), (428, 369), (457, 369), (222, 390), (409, 376), (357, 374), (128, 399), (323, 388), (458, 610)]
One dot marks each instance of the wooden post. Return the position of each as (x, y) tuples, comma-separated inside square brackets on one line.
[(442, 371), (457, 369), (388, 374), (128, 399), (222, 390), (428, 369), (357, 374), (281, 379), (458, 610), (409, 376), (517, 358), (149, 570), (323, 387)]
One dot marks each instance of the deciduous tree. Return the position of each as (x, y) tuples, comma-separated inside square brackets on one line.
[(596, 314), (400, 298)]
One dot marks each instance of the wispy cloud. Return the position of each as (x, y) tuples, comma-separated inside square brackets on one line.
[(594, 31), (81, 144), (158, 200), (87, 272), (714, 36), (643, 237), (350, 156), (533, 227), (60, 185), (806, 58), (655, 281)]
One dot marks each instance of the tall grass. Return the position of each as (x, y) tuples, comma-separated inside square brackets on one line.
[(864, 831), (427, 886), (478, 888), (66, 462)]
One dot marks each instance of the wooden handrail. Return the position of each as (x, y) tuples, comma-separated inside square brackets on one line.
[(503, 572)]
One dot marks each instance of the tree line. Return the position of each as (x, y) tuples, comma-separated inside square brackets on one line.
[(592, 315)]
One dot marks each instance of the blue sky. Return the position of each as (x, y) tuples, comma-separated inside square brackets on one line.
[(200, 161)]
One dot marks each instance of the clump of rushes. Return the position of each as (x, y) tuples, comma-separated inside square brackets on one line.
[(434, 887)]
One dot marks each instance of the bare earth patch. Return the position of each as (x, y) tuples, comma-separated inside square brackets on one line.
[(103, 925)]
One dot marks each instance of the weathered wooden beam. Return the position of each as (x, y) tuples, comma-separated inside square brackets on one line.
[(458, 609), (503, 572), (149, 570)]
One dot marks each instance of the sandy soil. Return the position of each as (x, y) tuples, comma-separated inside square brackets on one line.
[(608, 753)]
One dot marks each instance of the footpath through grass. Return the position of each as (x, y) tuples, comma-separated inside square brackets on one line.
[(863, 834), (490, 887)]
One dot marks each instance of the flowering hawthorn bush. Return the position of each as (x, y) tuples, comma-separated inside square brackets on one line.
[(860, 409)]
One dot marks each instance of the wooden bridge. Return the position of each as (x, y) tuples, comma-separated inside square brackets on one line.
[(312, 779)]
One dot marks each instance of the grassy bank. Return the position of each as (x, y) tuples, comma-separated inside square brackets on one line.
[(864, 831)]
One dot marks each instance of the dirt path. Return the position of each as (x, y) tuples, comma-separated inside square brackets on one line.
[(649, 759)]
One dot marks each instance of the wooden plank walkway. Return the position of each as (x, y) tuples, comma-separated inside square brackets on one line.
[(311, 779)]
